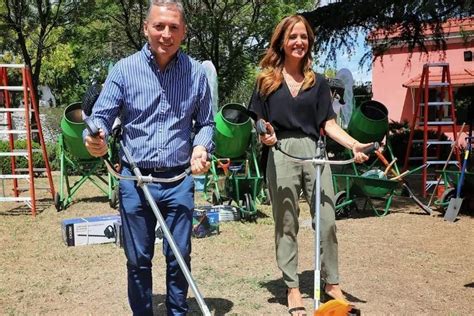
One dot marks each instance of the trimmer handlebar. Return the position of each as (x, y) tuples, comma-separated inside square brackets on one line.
[(262, 130)]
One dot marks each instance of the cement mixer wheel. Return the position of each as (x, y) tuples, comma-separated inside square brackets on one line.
[(57, 202), (266, 200), (250, 212), (345, 211), (448, 194), (216, 198)]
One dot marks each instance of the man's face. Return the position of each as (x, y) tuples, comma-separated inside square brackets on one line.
[(165, 31)]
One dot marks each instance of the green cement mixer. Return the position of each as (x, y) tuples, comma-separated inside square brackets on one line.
[(234, 175), (369, 122), (76, 160)]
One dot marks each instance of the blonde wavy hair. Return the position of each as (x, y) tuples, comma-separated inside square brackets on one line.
[(271, 77)]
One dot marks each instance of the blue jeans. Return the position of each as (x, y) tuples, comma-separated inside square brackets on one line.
[(176, 203)]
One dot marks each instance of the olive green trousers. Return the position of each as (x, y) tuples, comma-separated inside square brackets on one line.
[(287, 179)]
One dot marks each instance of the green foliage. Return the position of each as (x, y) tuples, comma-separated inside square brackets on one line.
[(21, 162), (56, 67), (466, 36), (233, 35), (127, 19), (330, 73), (95, 42), (464, 100), (38, 32), (242, 92), (362, 93)]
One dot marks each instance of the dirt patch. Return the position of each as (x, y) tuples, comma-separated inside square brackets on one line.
[(404, 263)]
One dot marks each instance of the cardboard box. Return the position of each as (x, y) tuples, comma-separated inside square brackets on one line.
[(89, 230), (205, 222), (119, 235)]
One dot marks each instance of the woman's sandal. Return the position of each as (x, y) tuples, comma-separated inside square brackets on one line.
[(296, 310)]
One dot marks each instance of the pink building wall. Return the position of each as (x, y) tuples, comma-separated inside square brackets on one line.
[(390, 73)]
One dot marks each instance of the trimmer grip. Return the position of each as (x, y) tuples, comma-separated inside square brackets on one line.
[(261, 127), (94, 132), (375, 146), (91, 127)]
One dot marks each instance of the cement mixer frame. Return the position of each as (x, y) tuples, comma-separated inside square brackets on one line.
[(367, 186), (74, 159), (234, 175), (239, 181)]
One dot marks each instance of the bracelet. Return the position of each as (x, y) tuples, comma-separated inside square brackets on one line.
[(353, 144)]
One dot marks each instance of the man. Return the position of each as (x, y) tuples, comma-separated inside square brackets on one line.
[(162, 97)]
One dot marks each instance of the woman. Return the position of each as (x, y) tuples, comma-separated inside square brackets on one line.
[(295, 102)]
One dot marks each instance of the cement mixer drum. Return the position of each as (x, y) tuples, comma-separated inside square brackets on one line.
[(233, 131), (72, 126)]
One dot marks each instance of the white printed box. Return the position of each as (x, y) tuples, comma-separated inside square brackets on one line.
[(89, 230)]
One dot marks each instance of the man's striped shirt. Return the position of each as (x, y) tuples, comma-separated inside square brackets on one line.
[(160, 110)]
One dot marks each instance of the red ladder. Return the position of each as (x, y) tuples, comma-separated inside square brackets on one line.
[(30, 105), (433, 115)]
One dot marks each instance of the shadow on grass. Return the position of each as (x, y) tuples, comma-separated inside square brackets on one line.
[(360, 208), (94, 199), (217, 306), (21, 209)]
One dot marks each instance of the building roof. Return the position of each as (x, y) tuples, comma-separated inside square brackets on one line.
[(454, 27), (465, 78)]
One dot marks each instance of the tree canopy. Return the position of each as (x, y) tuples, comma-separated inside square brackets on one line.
[(32, 27), (70, 43)]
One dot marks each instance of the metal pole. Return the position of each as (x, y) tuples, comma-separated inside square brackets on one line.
[(317, 233), (317, 240)]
